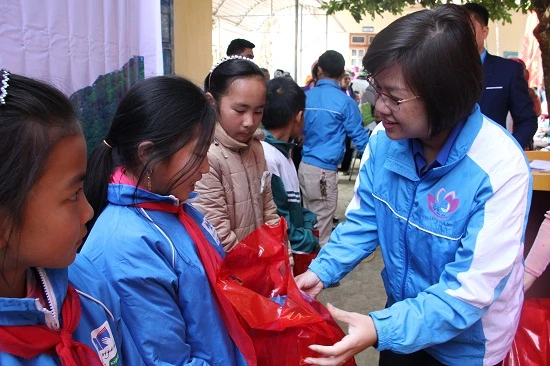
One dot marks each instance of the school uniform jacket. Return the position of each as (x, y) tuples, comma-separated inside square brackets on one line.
[(100, 327), (452, 243), (153, 264)]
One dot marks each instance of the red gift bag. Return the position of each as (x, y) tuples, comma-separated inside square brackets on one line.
[(282, 322), (532, 340)]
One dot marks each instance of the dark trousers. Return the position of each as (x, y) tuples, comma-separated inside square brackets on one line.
[(346, 162), (420, 358)]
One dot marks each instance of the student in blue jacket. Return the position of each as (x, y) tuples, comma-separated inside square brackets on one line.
[(49, 314), (444, 192), (159, 253)]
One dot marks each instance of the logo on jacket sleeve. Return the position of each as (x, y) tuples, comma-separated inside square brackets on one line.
[(443, 204), (104, 344), (210, 229)]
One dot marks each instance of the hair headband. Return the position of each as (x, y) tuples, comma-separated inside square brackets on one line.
[(226, 58), (4, 87)]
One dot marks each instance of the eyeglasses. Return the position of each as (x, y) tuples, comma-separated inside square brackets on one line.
[(390, 102)]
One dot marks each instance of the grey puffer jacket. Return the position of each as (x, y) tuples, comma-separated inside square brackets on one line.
[(235, 195)]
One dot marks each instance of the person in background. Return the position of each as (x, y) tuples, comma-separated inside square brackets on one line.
[(330, 116), (345, 85), (505, 88), (50, 314), (283, 120), (453, 252), (159, 253), (539, 256), (241, 47), (235, 194), (266, 74)]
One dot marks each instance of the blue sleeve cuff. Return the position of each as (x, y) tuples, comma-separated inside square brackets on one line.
[(384, 328)]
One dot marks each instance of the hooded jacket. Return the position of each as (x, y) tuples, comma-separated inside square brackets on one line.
[(100, 327), (153, 264), (235, 195), (451, 240)]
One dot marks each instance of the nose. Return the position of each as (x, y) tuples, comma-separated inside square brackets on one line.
[(248, 119), (381, 106), (87, 212)]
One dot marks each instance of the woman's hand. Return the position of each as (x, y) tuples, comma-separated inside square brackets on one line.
[(309, 283), (361, 335)]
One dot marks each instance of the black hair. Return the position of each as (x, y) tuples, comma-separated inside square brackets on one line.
[(238, 45), (284, 100), (479, 12), (219, 80), (332, 63), (33, 119), (436, 50), (168, 111)]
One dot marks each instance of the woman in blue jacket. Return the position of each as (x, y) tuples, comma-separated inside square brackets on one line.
[(444, 192), (49, 314), (158, 252)]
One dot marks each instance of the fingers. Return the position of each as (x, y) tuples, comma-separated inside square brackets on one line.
[(341, 315)]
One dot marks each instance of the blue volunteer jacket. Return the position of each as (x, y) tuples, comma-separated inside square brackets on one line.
[(452, 243), (100, 326), (153, 264), (330, 115)]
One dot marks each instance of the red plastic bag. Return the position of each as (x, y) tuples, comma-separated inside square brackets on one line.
[(532, 340), (302, 261), (282, 322)]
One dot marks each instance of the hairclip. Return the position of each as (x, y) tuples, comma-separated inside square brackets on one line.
[(227, 58), (107, 144), (4, 87)]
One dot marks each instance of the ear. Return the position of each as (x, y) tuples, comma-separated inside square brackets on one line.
[(485, 32), (210, 98), (299, 118), (144, 150)]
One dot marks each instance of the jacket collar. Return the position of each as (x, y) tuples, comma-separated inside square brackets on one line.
[(284, 147), (221, 137), (27, 311), (400, 159), (128, 195), (328, 82)]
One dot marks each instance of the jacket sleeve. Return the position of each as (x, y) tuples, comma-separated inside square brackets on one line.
[(212, 203), (301, 239), (353, 125), (487, 264), (271, 216), (310, 219), (522, 108), (357, 237), (149, 302)]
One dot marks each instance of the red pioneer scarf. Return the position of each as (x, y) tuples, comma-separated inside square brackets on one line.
[(29, 341), (212, 261)]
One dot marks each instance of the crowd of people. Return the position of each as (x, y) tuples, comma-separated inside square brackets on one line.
[(186, 172)]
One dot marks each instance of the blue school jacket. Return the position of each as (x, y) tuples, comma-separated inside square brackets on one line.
[(451, 240), (153, 265), (100, 327)]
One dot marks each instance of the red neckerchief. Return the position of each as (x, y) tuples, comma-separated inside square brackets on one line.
[(29, 341), (211, 261)]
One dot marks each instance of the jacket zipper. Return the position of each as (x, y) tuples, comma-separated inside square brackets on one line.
[(52, 319), (405, 243)]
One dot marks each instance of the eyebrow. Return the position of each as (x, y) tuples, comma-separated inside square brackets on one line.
[(76, 179)]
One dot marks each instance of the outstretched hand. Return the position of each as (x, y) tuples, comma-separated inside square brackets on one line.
[(361, 335), (309, 283)]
